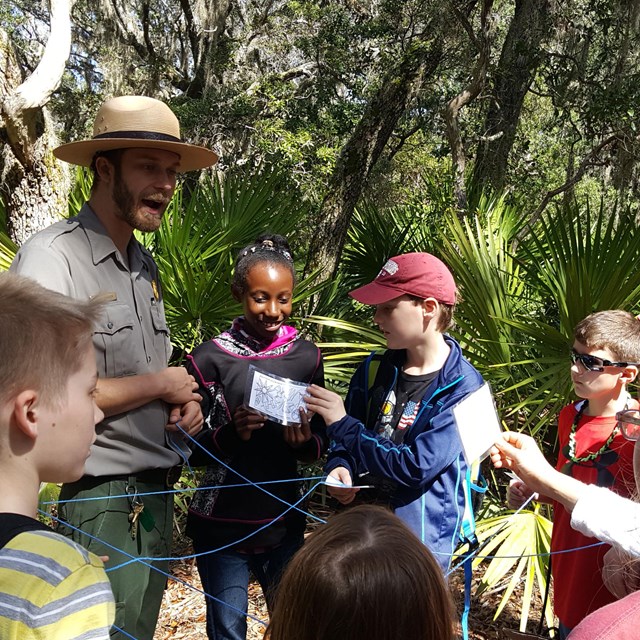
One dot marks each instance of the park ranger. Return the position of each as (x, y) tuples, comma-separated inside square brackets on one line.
[(135, 154)]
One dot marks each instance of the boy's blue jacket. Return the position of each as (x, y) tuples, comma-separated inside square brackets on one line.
[(428, 467)]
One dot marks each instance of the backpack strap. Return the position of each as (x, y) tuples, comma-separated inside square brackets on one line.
[(475, 486), (468, 573), (372, 367)]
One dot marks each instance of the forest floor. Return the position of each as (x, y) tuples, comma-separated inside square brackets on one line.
[(183, 610)]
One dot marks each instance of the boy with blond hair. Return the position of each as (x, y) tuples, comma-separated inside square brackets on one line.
[(50, 587), (397, 431), (605, 357)]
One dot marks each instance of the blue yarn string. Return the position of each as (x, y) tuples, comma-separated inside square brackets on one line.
[(186, 490), (150, 566), (259, 485), (145, 560), (123, 632), (249, 482), (226, 546)]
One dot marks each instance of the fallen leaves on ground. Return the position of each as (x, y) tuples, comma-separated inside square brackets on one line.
[(183, 612)]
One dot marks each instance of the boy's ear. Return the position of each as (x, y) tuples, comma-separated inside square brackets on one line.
[(430, 307), (629, 374), (26, 412)]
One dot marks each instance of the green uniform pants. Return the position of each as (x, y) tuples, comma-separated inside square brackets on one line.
[(137, 588)]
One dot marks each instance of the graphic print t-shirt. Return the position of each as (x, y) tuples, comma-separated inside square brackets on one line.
[(402, 404)]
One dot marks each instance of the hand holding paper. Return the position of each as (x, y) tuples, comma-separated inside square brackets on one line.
[(275, 397), (246, 421), (343, 492), (520, 453), (331, 481), (295, 436), (326, 403)]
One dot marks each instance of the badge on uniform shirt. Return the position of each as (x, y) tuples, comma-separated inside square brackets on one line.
[(106, 296), (154, 286)]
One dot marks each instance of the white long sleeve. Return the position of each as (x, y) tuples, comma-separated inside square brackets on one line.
[(609, 517)]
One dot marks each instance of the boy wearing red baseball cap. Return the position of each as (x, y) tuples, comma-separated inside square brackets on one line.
[(396, 430)]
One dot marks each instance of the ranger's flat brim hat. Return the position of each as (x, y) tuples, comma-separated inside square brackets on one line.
[(129, 122)]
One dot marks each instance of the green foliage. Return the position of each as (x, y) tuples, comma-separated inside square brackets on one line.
[(81, 191), (519, 552), (573, 264), (522, 299), (375, 237), (8, 248), (188, 484), (290, 82), (584, 262), (344, 345), (477, 251), (47, 501), (197, 242)]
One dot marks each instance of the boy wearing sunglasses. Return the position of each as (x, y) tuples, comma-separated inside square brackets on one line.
[(605, 357), (595, 511)]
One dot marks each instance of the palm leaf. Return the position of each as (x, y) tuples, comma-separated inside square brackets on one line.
[(8, 248), (81, 191), (518, 552), (344, 345), (375, 236)]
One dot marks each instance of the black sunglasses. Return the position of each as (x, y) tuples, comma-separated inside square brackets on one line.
[(629, 423), (593, 363)]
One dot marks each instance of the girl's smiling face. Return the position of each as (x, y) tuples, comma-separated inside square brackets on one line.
[(266, 299)]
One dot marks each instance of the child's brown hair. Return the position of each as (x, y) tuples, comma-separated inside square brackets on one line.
[(615, 330), (363, 576), (44, 336)]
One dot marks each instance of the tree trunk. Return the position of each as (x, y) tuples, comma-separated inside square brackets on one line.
[(482, 44), (36, 184), (520, 57), (361, 152)]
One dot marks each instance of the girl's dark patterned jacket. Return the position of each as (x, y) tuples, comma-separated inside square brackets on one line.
[(248, 515)]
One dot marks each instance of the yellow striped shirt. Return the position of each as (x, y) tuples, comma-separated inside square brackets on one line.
[(50, 587)]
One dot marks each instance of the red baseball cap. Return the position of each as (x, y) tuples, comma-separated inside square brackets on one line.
[(415, 274)]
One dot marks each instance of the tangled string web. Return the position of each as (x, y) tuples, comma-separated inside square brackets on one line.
[(314, 483)]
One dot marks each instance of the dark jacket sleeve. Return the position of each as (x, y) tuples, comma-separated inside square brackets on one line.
[(412, 465), (355, 406), (219, 437), (317, 445)]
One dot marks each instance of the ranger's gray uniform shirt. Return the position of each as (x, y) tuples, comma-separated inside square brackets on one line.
[(77, 257)]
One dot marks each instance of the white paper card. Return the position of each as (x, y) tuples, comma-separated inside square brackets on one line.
[(478, 423), (330, 481), (277, 398)]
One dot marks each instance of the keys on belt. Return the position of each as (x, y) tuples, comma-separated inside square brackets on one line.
[(137, 514), (136, 507)]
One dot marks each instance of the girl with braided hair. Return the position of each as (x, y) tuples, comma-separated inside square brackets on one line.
[(251, 527)]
